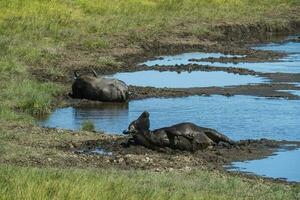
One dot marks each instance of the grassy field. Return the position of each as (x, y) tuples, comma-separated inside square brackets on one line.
[(33, 183), (53, 37), (42, 41)]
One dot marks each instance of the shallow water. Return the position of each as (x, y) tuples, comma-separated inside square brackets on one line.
[(239, 117), (284, 164), (183, 59), (186, 79), (287, 47), (97, 151), (288, 64)]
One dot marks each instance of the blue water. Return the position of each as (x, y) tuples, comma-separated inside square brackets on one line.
[(239, 117), (186, 79), (287, 47), (284, 164), (288, 64)]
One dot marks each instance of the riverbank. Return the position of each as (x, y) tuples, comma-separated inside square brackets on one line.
[(41, 54), (43, 42), (31, 146)]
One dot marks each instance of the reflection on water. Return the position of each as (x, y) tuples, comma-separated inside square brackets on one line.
[(239, 117), (284, 164), (186, 79), (183, 59), (104, 117), (288, 64), (287, 47)]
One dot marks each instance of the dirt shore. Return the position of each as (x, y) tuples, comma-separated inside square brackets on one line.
[(75, 149), (129, 61), (64, 149)]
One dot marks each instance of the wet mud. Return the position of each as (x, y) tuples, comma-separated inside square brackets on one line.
[(139, 157)]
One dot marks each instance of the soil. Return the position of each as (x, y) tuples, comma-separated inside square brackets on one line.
[(75, 149)]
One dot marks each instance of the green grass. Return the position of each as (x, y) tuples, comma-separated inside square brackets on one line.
[(52, 37), (87, 126), (34, 183)]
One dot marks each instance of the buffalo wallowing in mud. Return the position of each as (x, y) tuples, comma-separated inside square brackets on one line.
[(183, 136), (97, 88)]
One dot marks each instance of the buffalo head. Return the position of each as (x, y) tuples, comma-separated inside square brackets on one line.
[(142, 123)]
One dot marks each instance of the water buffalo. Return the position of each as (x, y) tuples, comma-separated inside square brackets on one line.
[(183, 136), (99, 88)]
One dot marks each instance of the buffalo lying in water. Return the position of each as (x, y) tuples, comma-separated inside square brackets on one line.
[(99, 88), (183, 136)]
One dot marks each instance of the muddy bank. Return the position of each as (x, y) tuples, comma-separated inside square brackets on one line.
[(73, 149), (261, 90), (233, 39), (47, 147), (275, 82), (139, 157)]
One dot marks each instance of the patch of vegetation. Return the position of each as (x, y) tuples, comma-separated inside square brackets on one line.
[(34, 183), (54, 36), (45, 36), (88, 126)]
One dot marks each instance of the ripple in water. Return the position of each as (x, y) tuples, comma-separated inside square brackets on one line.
[(239, 117), (186, 79), (284, 164)]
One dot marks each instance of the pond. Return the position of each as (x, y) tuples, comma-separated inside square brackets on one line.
[(239, 117), (283, 164), (288, 64), (186, 79)]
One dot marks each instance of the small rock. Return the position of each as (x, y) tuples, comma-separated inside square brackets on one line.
[(157, 170), (121, 160), (170, 169)]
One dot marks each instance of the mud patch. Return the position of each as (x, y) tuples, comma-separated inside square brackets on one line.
[(96, 151), (294, 92), (211, 158)]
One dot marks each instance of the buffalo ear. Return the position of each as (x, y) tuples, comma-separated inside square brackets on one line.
[(94, 72), (75, 74)]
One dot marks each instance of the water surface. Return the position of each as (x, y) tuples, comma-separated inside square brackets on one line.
[(288, 64), (239, 117), (284, 164), (186, 79), (183, 59)]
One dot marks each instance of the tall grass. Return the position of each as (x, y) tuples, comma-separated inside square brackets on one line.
[(33, 183)]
